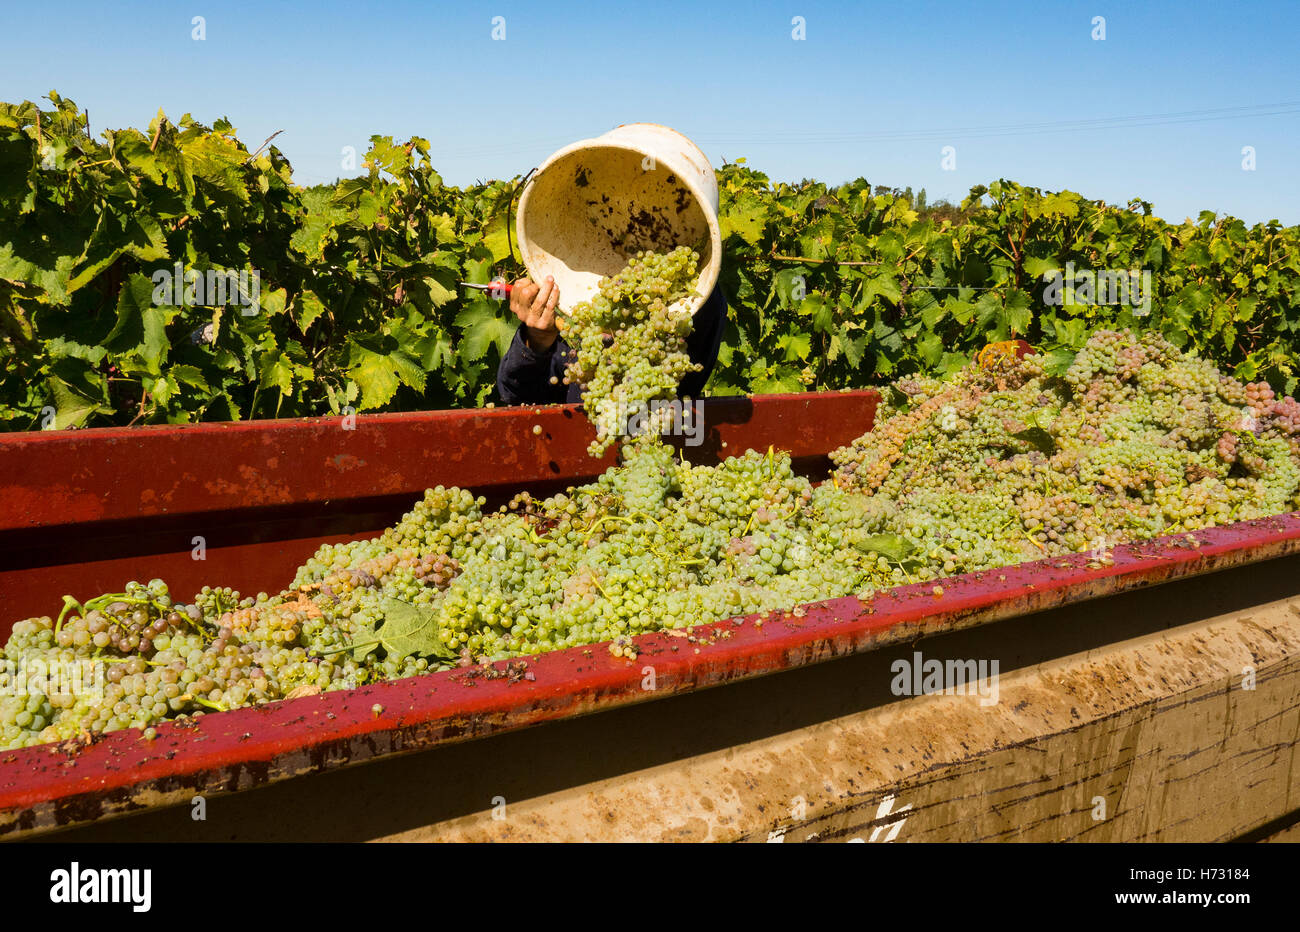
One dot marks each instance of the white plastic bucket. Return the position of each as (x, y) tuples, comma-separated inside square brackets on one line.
[(596, 203)]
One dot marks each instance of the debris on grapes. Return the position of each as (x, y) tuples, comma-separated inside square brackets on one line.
[(623, 647)]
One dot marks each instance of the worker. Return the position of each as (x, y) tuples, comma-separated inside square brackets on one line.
[(532, 370)]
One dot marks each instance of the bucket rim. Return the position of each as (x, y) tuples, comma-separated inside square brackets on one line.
[(600, 142), (676, 132), (710, 274)]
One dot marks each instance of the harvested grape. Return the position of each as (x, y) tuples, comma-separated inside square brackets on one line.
[(629, 341), (1004, 462)]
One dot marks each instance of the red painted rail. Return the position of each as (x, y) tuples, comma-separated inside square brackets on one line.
[(84, 511)]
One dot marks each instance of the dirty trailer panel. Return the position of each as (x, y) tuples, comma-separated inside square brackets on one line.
[(1118, 719)]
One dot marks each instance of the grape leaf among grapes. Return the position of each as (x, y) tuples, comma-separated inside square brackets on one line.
[(890, 546)]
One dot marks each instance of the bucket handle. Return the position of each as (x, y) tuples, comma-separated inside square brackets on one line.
[(510, 210)]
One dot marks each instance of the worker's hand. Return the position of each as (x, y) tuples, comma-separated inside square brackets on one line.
[(534, 305)]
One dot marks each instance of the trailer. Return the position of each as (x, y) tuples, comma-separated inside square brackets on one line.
[(1153, 695)]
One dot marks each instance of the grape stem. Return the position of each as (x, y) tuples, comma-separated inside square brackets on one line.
[(68, 602), (335, 650)]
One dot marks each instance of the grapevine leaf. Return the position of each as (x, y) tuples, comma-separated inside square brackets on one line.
[(272, 301), (748, 224), (189, 375), (444, 228), (1057, 362), (409, 371), (71, 409), (306, 308), (365, 641), (132, 149), (217, 161), (1038, 267), (953, 362), (1043, 417), (820, 310), (784, 287), (783, 381), (886, 286), (931, 315), (139, 235), (387, 156), (796, 346), (890, 546), (349, 191), (16, 162), (439, 294), (277, 371), (378, 366), (1037, 438), (478, 271), (374, 374), (132, 302), (854, 349), (60, 348), (1065, 203), (154, 344), (410, 629), (496, 238), (482, 326), (436, 352), (1015, 315), (930, 348), (890, 246), (46, 271), (962, 311)]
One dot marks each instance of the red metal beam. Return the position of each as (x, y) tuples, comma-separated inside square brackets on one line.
[(57, 478), (54, 785)]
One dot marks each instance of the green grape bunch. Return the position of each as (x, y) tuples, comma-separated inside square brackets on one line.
[(629, 340)]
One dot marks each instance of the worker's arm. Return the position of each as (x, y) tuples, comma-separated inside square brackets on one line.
[(703, 342), (536, 354), (525, 372)]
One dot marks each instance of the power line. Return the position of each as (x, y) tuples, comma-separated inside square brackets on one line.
[(1011, 129)]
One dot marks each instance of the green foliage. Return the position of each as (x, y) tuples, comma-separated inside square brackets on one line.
[(358, 297), (407, 630), (830, 287), (846, 287)]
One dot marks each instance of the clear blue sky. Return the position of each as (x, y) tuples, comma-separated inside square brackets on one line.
[(875, 89)]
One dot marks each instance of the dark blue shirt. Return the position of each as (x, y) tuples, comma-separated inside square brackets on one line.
[(524, 376)]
